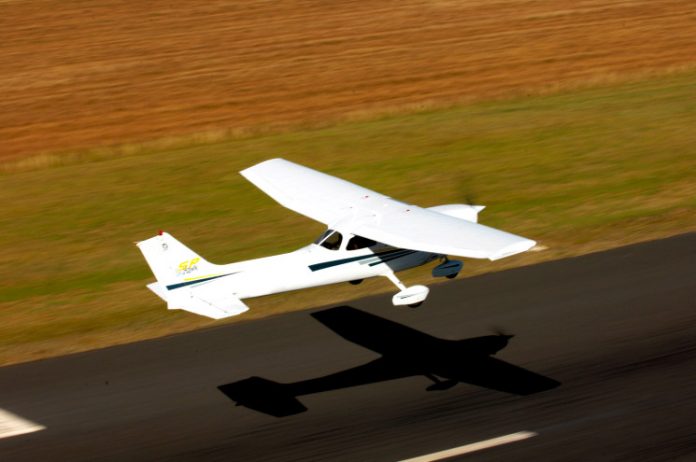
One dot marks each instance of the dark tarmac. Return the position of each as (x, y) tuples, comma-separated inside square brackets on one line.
[(601, 365)]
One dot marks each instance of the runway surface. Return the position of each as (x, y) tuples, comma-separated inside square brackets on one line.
[(602, 366)]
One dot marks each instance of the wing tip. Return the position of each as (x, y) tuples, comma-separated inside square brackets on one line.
[(512, 249), (247, 170)]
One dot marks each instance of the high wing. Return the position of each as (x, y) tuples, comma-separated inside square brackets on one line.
[(495, 374), (373, 332), (348, 207), (316, 195)]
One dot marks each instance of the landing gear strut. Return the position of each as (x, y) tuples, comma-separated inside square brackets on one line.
[(409, 296)]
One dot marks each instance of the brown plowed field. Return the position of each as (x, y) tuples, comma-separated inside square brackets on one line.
[(87, 73)]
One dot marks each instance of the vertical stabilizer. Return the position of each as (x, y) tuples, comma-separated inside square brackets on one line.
[(172, 262)]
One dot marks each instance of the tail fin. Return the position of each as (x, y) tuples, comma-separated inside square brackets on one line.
[(187, 281), (172, 262)]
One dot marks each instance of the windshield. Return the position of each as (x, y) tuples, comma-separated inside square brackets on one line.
[(330, 239), (323, 236)]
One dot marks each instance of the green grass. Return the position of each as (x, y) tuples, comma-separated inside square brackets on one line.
[(578, 171)]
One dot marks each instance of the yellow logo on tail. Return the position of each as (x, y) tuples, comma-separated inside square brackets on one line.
[(187, 266)]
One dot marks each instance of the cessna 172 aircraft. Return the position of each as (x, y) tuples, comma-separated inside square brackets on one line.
[(369, 234)]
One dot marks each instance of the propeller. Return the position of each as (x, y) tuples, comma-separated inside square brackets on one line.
[(500, 332), (465, 191), (469, 199), (501, 339)]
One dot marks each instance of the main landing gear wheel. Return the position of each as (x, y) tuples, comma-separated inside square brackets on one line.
[(409, 296), (448, 268)]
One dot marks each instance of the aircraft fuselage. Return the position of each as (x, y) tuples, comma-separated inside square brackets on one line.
[(313, 266)]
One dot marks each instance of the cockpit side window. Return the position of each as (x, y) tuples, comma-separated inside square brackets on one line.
[(359, 242), (330, 239)]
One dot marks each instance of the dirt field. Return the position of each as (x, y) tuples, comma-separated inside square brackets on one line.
[(82, 74)]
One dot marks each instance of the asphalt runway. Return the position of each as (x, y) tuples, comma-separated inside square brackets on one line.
[(602, 366)]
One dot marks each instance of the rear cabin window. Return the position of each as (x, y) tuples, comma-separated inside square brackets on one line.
[(330, 239), (359, 242)]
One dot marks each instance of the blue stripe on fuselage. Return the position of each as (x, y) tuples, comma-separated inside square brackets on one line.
[(382, 257), (197, 281)]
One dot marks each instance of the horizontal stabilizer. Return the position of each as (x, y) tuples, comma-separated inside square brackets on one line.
[(205, 300), (263, 395), (198, 302), (160, 291)]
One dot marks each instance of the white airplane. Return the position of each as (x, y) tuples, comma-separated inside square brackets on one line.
[(369, 234)]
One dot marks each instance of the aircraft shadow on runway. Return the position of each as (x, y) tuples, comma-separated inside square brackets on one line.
[(404, 352)]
